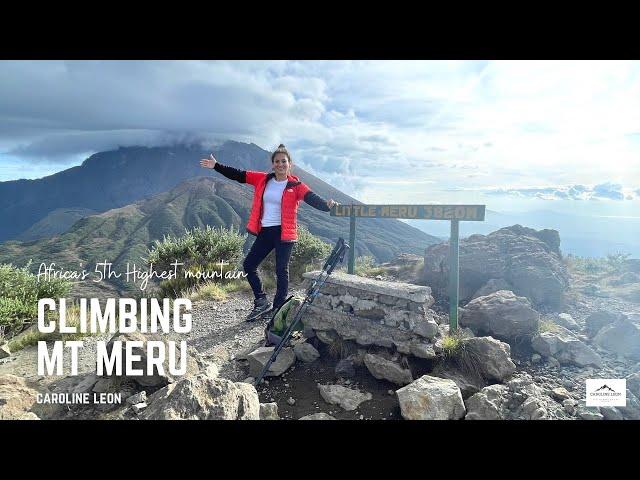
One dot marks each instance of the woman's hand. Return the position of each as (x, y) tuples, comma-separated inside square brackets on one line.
[(331, 203), (208, 162)]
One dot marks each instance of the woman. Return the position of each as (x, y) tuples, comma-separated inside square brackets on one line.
[(273, 219)]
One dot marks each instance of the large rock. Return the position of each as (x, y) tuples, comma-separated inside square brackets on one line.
[(492, 286), (501, 314), (382, 368), (155, 379), (486, 404), (269, 411), (492, 357), (347, 398), (566, 320), (621, 337), (306, 352), (599, 319), (317, 416), (200, 397), (633, 383), (431, 398), (519, 399), (526, 259), (259, 358), (469, 383), (18, 399), (4, 351), (565, 347)]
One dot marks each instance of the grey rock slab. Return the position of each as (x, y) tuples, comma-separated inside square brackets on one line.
[(382, 368), (347, 398), (306, 352), (259, 358), (431, 398)]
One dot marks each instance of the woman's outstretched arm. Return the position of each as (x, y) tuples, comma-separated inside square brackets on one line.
[(316, 201), (229, 172)]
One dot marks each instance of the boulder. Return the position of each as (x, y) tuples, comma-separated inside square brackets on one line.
[(486, 404), (18, 399), (137, 398), (259, 358), (621, 337), (492, 286), (492, 357), (467, 382), (305, 352), (565, 320), (565, 347), (269, 411), (382, 368), (4, 351), (200, 397), (633, 383), (156, 379), (345, 368), (598, 319), (347, 398), (501, 314), (528, 260), (317, 416), (431, 398)]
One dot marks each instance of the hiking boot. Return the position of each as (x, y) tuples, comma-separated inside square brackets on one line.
[(260, 307)]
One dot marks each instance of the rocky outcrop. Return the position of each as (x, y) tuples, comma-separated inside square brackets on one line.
[(621, 337), (431, 398), (526, 259), (501, 314), (373, 312), (200, 397), (518, 399), (347, 398), (565, 347)]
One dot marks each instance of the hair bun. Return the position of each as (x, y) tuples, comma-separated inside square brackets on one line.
[(281, 145)]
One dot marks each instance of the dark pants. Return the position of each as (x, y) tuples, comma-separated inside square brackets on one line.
[(267, 240)]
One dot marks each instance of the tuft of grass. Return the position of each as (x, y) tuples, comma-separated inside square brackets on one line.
[(32, 335), (452, 344), (208, 291), (456, 354), (365, 267), (547, 326)]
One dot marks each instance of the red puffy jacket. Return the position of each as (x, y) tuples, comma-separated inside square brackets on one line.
[(291, 196)]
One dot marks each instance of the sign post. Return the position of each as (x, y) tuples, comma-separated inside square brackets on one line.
[(454, 213)]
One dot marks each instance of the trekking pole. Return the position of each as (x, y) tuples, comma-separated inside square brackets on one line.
[(336, 256)]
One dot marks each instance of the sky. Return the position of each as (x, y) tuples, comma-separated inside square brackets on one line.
[(514, 135)]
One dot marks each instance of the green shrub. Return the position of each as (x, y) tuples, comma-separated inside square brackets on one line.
[(198, 246), (365, 266), (20, 291), (201, 251)]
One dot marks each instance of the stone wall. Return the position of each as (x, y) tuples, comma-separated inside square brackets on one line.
[(373, 312)]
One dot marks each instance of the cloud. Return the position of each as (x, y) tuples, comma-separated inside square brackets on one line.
[(519, 123), (610, 191)]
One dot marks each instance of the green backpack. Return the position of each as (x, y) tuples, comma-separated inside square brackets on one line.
[(282, 319)]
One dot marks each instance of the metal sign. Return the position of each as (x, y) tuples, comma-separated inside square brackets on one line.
[(419, 212), (454, 213)]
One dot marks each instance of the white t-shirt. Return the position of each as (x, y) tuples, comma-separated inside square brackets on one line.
[(272, 201)]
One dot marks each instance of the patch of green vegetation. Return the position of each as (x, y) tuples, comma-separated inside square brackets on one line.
[(613, 263), (365, 266), (20, 291), (32, 335), (547, 326)]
